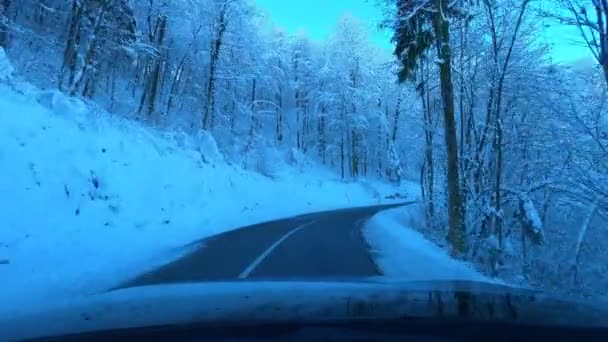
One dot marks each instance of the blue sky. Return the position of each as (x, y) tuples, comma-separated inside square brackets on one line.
[(317, 19)]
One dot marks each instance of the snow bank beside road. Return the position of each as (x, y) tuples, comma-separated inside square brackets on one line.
[(403, 253), (89, 200)]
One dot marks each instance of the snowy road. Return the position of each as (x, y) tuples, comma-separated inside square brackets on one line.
[(326, 244)]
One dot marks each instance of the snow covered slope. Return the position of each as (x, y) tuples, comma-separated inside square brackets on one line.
[(89, 199), (405, 254)]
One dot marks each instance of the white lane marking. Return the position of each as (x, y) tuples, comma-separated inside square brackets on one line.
[(263, 256)]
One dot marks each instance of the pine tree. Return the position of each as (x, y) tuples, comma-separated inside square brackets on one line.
[(419, 26)]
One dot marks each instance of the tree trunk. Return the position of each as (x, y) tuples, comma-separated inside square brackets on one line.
[(495, 111), (605, 70), (428, 168), (279, 115), (342, 154), (89, 61), (174, 83), (155, 76), (457, 231), (364, 157), (343, 130), (216, 46), (464, 129), (354, 154), (396, 118), (297, 101), (112, 86), (379, 144), (233, 111), (581, 238), (253, 114), (322, 137), (305, 124), (498, 183), (4, 24), (298, 117), (68, 68)]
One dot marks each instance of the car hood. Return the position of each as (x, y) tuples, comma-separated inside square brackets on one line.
[(273, 300)]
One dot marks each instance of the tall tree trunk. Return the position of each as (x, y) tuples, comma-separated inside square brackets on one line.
[(305, 123), (457, 231), (89, 62), (297, 102), (343, 130), (322, 137), (428, 169), (581, 238), (4, 24), (464, 147), (154, 81), (498, 183), (70, 54), (216, 46), (354, 169), (379, 151), (253, 112), (233, 110), (279, 115), (364, 157), (379, 154), (298, 117), (112, 82), (396, 118), (495, 108), (342, 154), (174, 83)]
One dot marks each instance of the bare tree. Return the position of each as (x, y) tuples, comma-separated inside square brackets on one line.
[(590, 17), (94, 28), (157, 31)]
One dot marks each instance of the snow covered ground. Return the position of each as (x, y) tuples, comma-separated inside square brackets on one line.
[(405, 254), (89, 199)]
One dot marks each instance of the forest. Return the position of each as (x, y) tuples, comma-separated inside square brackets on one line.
[(510, 146)]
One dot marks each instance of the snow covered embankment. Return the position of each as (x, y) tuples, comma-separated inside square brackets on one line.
[(405, 254), (89, 200)]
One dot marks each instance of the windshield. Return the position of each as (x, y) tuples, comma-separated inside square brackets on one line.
[(154, 142)]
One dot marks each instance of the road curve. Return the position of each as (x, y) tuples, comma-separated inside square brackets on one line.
[(319, 245)]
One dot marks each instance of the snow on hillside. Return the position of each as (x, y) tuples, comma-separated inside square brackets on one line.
[(90, 199)]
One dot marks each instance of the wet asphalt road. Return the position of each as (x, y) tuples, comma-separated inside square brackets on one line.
[(319, 245)]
